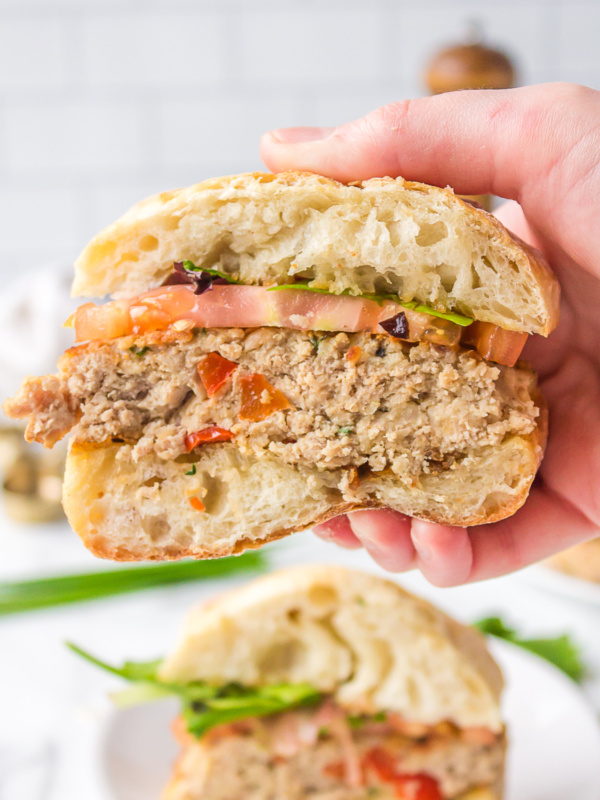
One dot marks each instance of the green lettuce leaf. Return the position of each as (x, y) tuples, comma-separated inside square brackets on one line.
[(191, 267), (459, 319), (451, 316), (560, 650), (204, 706), (234, 703)]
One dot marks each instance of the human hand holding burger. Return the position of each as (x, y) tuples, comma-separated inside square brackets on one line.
[(538, 146)]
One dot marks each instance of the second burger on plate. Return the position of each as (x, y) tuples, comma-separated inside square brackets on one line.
[(320, 682)]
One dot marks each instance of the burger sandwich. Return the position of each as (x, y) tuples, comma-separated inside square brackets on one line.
[(320, 682), (281, 349)]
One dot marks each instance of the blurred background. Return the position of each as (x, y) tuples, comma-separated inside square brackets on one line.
[(103, 102)]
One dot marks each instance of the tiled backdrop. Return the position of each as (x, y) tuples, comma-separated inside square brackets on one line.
[(103, 102)]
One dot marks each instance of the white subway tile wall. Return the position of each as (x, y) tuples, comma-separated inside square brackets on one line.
[(103, 102)]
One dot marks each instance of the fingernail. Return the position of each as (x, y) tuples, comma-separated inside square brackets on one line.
[(297, 135)]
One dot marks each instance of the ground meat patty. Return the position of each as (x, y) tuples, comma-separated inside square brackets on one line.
[(255, 763), (357, 398)]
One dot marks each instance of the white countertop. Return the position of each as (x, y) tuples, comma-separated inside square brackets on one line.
[(53, 705)]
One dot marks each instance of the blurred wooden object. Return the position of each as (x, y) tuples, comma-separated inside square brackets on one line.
[(470, 64), (32, 478)]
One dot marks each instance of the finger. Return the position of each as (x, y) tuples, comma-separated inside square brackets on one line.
[(385, 534), (545, 525), (512, 217), (338, 530), (572, 462), (444, 553), (475, 141)]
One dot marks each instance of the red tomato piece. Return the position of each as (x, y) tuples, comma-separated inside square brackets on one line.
[(260, 399), (197, 504), (495, 343), (206, 436), (381, 763), (416, 786), (214, 371), (101, 322)]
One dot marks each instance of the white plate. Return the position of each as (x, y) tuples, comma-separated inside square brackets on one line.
[(552, 580), (554, 750)]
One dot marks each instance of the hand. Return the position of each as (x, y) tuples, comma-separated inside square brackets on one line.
[(539, 146)]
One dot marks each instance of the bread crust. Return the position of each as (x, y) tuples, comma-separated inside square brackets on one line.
[(110, 532), (137, 251)]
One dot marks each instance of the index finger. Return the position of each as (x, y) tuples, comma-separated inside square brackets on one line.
[(475, 141)]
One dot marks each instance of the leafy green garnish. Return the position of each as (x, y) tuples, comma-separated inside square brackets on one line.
[(451, 316), (315, 341), (138, 351), (358, 720), (191, 471), (205, 706), (345, 430), (234, 702), (16, 596), (377, 298), (560, 651), (191, 267)]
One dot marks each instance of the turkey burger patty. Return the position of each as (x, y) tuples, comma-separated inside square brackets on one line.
[(328, 400)]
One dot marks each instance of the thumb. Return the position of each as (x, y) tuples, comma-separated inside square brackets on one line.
[(475, 141)]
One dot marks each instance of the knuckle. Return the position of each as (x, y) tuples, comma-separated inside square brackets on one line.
[(574, 93), (387, 117)]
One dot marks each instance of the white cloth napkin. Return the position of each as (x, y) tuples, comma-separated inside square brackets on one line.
[(32, 310)]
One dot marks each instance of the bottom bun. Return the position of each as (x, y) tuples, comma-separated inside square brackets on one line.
[(127, 511)]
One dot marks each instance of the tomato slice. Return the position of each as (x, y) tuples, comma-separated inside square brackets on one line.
[(214, 370), (407, 786), (238, 306), (260, 399), (101, 322), (206, 436), (494, 343)]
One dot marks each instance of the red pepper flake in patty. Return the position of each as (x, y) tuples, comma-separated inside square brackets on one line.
[(336, 769), (354, 353), (197, 504), (206, 436), (260, 399), (214, 370), (407, 786)]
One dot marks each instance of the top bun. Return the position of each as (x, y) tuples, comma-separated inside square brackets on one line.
[(381, 235), (356, 636)]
